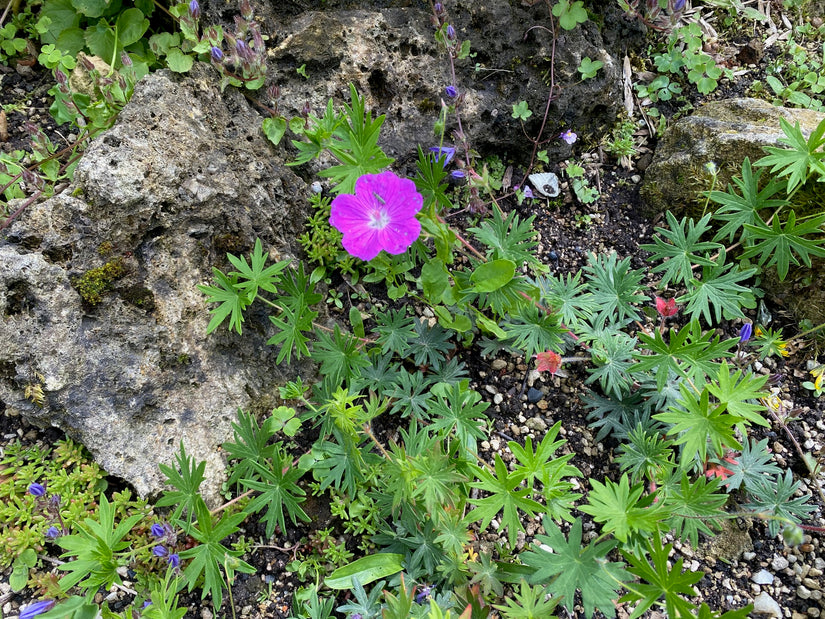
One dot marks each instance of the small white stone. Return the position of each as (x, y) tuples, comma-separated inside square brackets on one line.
[(779, 562), (762, 577), (763, 604)]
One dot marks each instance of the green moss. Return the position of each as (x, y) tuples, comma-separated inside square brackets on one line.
[(95, 282)]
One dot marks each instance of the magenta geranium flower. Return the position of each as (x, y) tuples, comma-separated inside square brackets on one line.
[(380, 215)]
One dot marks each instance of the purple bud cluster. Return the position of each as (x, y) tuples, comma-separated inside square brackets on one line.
[(652, 14), (49, 507), (166, 537)]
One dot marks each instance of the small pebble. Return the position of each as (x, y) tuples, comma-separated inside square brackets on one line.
[(534, 395), (779, 562), (762, 577), (763, 604), (803, 592)]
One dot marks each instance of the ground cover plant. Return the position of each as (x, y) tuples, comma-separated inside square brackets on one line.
[(397, 427)]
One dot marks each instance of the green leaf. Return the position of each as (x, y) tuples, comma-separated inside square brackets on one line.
[(179, 62), (660, 579), (803, 158), (680, 249), (366, 569), (777, 498), (339, 354), (435, 280), (251, 444), (720, 289), (100, 39), (63, 16), (782, 245), (615, 287), (210, 558), (250, 278), (736, 210), (187, 482), (490, 276), (533, 330), (571, 565), (570, 15), (460, 409), (740, 393), (278, 490), (697, 422), (91, 8), (131, 25), (696, 507), (755, 463), (274, 129), (521, 111), (509, 238), (568, 296), (622, 509), (506, 496), (231, 298)]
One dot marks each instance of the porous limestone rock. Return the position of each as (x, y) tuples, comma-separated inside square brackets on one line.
[(184, 176), (723, 132)]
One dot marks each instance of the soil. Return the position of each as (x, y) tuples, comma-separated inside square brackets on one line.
[(568, 231)]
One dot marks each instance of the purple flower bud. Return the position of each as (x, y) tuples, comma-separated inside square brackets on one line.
[(38, 608), (438, 7), (174, 560), (195, 9), (243, 49), (528, 193), (217, 54), (160, 551), (53, 533), (745, 332), (246, 10), (451, 32), (678, 5), (157, 530), (126, 59), (451, 92), (61, 78), (36, 489), (445, 152), (457, 174), (147, 603)]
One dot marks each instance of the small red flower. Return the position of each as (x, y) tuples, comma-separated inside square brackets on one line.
[(667, 308), (714, 469), (548, 361)]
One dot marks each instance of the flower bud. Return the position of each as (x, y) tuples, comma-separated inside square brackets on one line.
[(36, 489), (160, 551), (246, 10), (451, 32), (217, 54), (126, 59), (451, 91), (195, 9), (745, 332)]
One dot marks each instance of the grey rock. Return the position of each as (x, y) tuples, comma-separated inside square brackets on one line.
[(723, 132), (534, 395), (779, 562), (762, 577), (765, 605), (183, 177), (803, 592)]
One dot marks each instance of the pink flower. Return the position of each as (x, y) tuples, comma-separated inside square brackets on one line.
[(380, 215), (548, 361), (667, 308), (568, 136)]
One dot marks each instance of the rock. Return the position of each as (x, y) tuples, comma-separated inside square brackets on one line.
[(779, 563), (391, 56), (802, 592), (534, 395), (765, 605), (723, 132), (184, 176), (762, 577)]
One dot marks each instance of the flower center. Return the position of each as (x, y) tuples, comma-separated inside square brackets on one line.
[(378, 219)]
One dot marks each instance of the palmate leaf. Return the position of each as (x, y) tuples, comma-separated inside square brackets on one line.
[(695, 507), (459, 409), (660, 580), (233, 301), (395, 331), (250, 445), (697, 422), (355, 145), (290, 335), (507, 495), (623, 509), (339, 354), (568, 296), (720, 288), (688, 353), (736, 210), (741, 393), (570, 565), (254, 275), (801, 159), (783, 245), (534, 330), (508, 238), (210, 558), (680, 249), (776, 498), (754, 464), (616, 287), (186, 495), (529, 602), (278, 490), (613, 359)]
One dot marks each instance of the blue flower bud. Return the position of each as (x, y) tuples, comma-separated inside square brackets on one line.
[(37, 489), (160, 551), (38, 608), (174, 560), (217, 54), (451, 32), (451, 92), (195, 9), (745, 332), (53, 533), (157, 530)]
